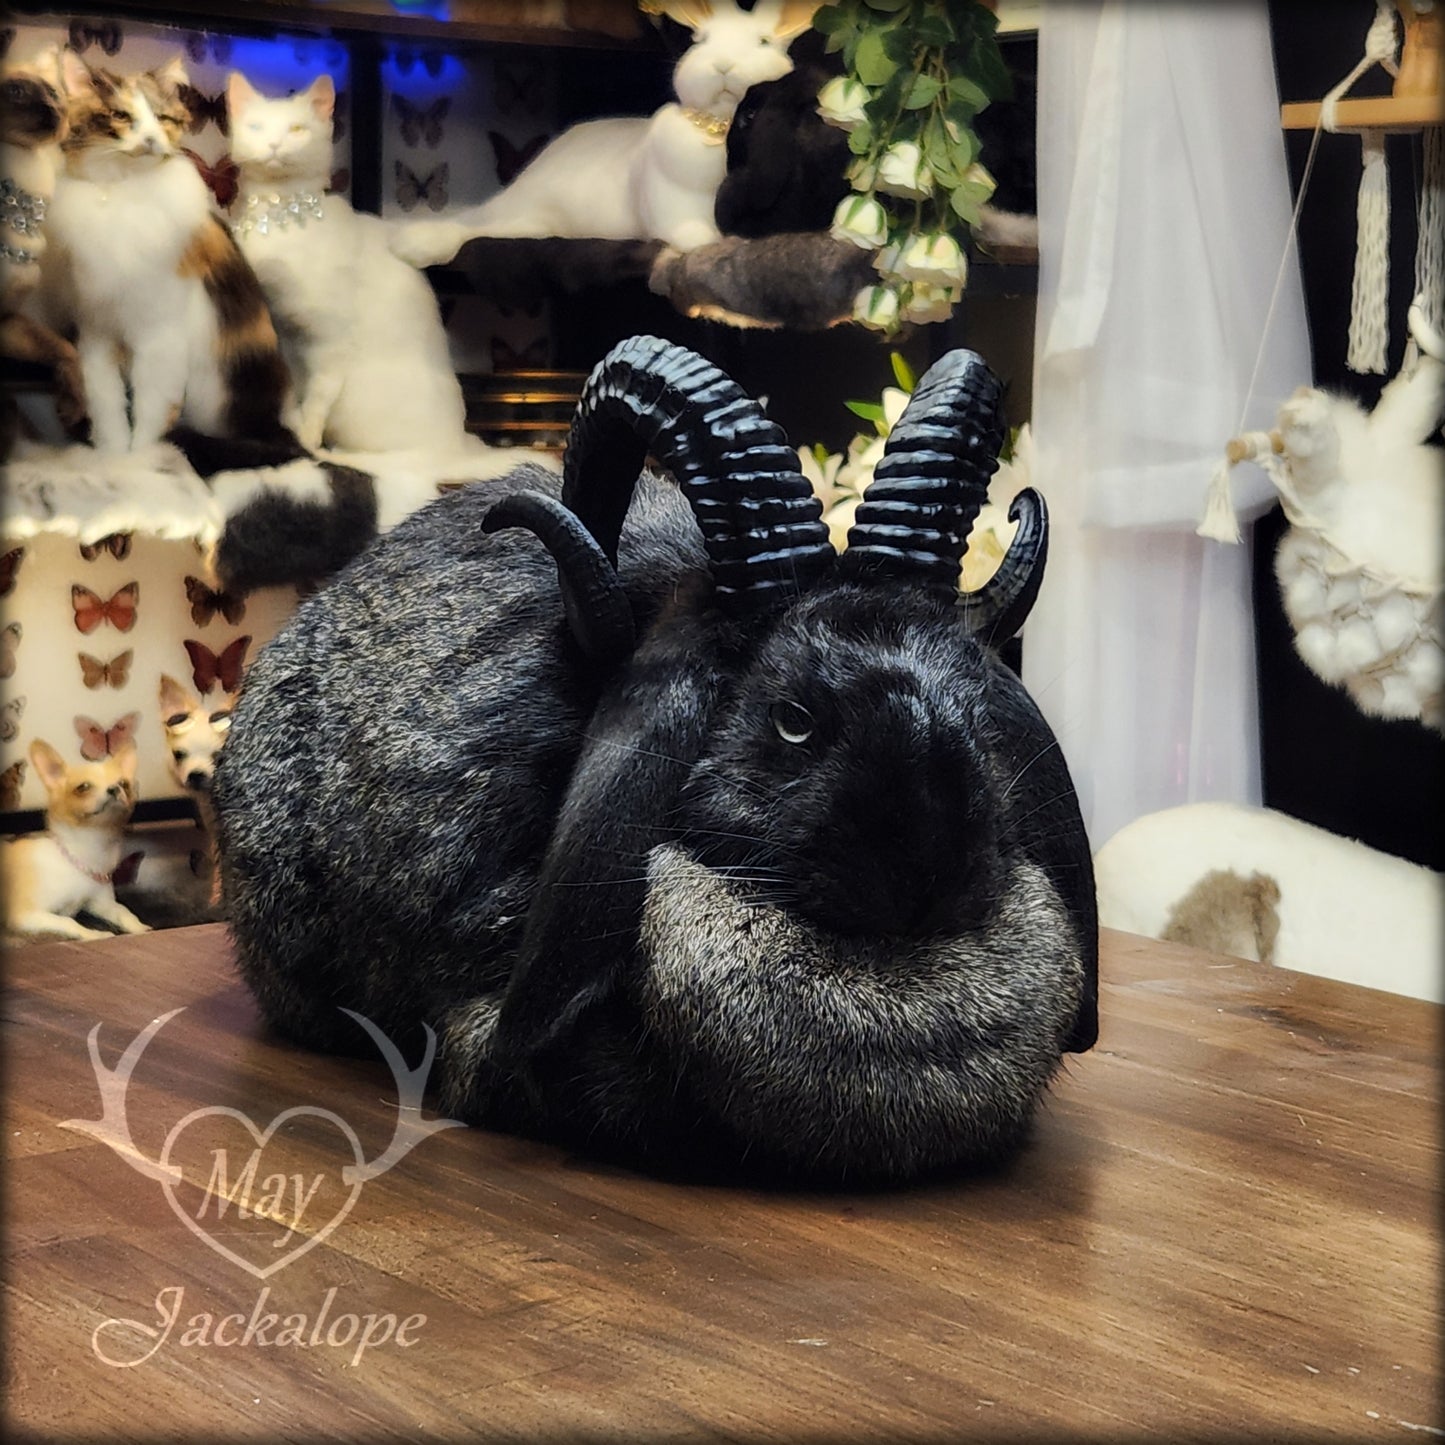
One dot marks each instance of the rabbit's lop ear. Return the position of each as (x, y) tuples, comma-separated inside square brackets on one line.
[(691, 13), (785, 18), (927, 490)]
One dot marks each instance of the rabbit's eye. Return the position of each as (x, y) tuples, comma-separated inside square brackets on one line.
[(792, 723)]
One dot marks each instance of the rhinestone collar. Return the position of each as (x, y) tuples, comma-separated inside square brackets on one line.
[(268, 211), (19, 210), (714, 127)]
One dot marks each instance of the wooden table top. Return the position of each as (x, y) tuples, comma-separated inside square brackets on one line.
[(1227, 1226)]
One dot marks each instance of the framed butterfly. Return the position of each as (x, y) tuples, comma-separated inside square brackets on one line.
[(97, 742), (10, 636), (531, 357), (223, 177), (10, 719), (205, 110), (127, 869), (12, 780), (9, 566), (94, 673), (200, 44), (205, 604), (117, 544), (91, 609), (512, 158), (518, 85), (209, 668), (412, 189), (406, 60), (85, 33), (421, 127)]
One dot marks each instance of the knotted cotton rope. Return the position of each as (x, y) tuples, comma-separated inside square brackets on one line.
[(1430, 248)]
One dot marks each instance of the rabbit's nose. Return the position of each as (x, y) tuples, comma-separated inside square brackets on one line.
[(723, 66)]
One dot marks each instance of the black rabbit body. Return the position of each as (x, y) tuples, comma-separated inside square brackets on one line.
[(794, 885)]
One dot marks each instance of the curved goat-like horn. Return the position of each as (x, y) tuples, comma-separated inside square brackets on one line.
[(914, 519), (760, 521), (999, 608), (597, 608)]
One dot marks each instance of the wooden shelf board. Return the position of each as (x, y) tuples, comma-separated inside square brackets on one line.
[(1381, 112)]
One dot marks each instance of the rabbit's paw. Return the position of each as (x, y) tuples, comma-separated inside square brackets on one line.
[(428, 243)]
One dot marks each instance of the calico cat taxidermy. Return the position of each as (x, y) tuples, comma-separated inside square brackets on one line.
[(164, 305), (638, 177), (33, 122), (50, 877), (360, 326)]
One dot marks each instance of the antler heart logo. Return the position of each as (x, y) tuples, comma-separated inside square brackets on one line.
[(263, 1188), (250, 1193)]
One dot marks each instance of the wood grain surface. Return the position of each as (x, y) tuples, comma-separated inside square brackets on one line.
[(1226, 1227)]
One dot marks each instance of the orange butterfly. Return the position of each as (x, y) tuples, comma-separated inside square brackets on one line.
[(97, 742), (91, 610), (117, 544), (11, 782), (9, 566), (205, 603), (208, 668), (95, 673)]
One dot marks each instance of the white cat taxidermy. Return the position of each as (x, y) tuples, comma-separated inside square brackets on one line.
[(49, 877), (163, 303), (638, 178), (1360, 568), (360, 327)]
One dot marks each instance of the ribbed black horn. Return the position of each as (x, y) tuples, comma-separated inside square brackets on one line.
[(760, 521), (932, 478), (597, 608), (999, 608)]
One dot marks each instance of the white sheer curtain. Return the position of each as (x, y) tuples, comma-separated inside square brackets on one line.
[(1164, 209)]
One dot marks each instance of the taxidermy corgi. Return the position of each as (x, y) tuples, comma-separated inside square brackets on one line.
[(33, 122), (164, 304), (51, 876)]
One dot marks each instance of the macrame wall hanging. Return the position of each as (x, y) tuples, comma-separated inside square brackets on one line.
[(1360, 568)]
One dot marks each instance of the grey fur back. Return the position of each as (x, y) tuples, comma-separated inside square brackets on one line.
[(381, 823)]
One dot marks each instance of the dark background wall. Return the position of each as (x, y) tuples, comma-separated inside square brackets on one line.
[(1324, 760)]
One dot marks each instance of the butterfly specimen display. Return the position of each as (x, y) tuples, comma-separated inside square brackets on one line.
[(10, 636), (91, 609), (223, 177), (10, 719), (202, 46), (205, 110), (117, 544), (98, 742), (421, 126), (205, 603), (512, 158), (104, 33), (530, 357), (412, 189), (406, 60), (94, 673), (11, 781), (209, 668), (126, 871), (518, 85), (9, 566)]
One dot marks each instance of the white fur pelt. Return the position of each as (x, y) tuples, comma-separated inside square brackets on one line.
[(360, 328), (1340, 909), (1360, 569), (644, 178)]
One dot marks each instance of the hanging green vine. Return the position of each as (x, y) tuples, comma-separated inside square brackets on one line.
[(918, 71)]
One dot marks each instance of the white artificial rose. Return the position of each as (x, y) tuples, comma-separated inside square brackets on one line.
[(902, 171), (822, 476), (930, 303), (876, 306), (935, 258), (886, 261), (861, 220), (841, 101)]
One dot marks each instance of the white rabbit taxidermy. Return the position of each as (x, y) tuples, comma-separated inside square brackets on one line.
[(642, 178), (1359, 569)]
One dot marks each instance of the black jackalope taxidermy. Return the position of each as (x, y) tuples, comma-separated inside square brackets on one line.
[(698, 845)]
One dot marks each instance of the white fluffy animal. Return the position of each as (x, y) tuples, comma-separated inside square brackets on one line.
[(360, 328), (638, 177), (1258, 884)]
